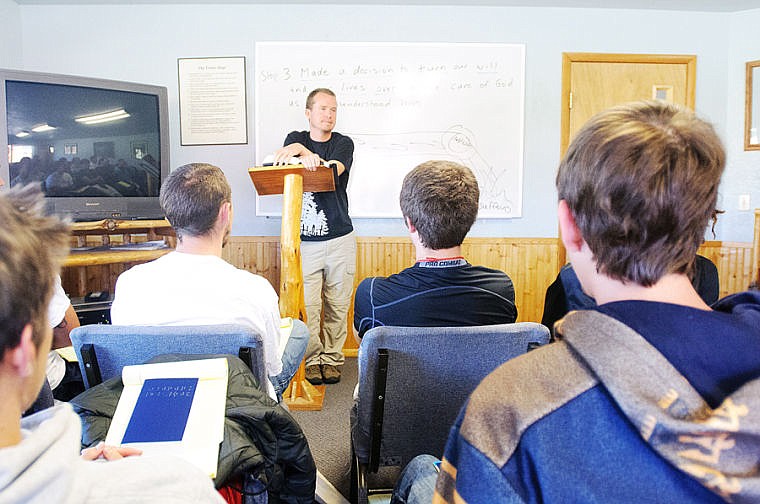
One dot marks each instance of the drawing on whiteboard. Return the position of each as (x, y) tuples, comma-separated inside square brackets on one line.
[(461, 142), (456, 143)]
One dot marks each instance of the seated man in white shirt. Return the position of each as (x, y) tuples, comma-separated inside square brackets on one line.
[(195, 286), (39, 454), (64, 380), (64, 377)]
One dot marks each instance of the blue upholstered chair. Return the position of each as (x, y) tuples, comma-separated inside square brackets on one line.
[(103, 349), (412, 383)]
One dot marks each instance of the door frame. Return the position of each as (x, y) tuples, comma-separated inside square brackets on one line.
[(568, 58)]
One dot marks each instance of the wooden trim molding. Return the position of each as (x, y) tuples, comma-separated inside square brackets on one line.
[(749, 98)]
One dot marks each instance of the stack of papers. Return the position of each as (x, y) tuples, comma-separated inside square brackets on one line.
[(146, 245), (173, 408), (269, 160)]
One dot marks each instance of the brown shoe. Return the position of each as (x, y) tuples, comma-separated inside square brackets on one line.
[(314, 374), (331, 374)]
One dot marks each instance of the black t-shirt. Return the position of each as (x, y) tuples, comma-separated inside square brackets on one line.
[(325, 215), (447, 293)]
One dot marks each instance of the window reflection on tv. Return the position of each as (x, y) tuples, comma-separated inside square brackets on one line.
[(83, 141)]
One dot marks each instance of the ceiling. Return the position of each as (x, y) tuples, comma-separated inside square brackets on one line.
[(679, 5)]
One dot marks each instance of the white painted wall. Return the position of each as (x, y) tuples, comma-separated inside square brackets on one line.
[(10, 34), (142, 43), (742, 174)]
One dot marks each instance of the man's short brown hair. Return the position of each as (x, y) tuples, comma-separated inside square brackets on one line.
[(641, 181), (310, 98), (32, 247), (191, 197), (440, 198)]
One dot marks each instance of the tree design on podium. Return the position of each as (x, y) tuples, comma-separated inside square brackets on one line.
[(313, 220)]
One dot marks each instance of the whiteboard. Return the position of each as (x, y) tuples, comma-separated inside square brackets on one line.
[(402, 104)]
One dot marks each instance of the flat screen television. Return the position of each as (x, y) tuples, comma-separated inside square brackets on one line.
[(98, 148)]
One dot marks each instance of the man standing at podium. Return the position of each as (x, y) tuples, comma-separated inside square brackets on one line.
[(328, 246)]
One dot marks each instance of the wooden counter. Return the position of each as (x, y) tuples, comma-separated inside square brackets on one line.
[(115, 245)]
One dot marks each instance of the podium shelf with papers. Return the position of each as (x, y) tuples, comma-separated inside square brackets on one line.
[(270, 179)]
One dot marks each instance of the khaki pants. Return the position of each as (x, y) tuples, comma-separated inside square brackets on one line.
[(328, 275)]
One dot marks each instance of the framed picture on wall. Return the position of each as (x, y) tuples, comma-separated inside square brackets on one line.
[(212, 101), (70, 149), (139, 149)]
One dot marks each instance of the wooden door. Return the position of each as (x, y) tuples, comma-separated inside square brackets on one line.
[(594, 82)]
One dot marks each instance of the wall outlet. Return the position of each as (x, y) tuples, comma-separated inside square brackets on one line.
[(744, 202)]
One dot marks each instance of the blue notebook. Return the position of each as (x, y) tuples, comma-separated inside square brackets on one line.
[(161, 411)]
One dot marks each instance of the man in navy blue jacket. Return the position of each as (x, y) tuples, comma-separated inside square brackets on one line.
[(439, 202), (652, 396)]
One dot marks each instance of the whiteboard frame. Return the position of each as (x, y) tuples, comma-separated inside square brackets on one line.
[(313, 46)]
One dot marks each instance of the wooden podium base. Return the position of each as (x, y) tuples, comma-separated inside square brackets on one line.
[(291, 181), (302, 395)]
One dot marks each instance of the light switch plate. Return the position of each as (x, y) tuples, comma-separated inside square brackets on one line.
[(744, 202)]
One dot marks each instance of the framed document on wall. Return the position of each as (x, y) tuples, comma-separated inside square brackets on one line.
[(212, 101)]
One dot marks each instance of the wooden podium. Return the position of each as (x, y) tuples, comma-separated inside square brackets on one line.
[(291, 181)]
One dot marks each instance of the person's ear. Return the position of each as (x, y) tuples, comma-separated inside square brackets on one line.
[(409, 225), (568, 229), (225, 213), (23, 355)]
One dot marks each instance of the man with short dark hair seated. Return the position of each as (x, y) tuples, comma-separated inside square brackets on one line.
[(39, 454), (439, 202), (193, 285), (652, 395)]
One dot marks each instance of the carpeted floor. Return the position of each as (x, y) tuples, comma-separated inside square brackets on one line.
[(328, 434), (328, 430)]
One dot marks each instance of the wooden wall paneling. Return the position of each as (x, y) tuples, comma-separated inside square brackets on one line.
[(542, 267), (257, 254), (79, 280), (114, 270), (73, 281), (734, 261), (531, 263), (376, 256)]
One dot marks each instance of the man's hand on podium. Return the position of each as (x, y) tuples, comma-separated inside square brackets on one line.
[(308, 159), (286, 154), (311, 161)]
